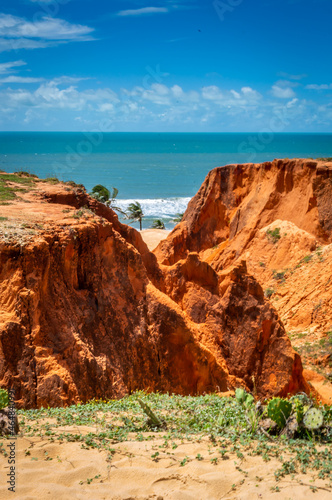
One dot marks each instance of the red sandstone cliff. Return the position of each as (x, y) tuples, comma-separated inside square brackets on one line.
[(86, 310), (235, 201), (230, 219), (234, 217)]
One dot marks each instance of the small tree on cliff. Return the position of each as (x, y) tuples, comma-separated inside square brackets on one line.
[(101, 193), (135, 213)]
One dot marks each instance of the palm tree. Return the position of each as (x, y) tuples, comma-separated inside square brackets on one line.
[(158, 224), (135, 213)]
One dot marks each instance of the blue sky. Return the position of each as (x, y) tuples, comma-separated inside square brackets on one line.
[(166, 65)]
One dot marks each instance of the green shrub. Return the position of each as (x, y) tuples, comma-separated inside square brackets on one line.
[(4, 399), (279, 275), (274, 236), (75, 185), (52, 180), (23, 173), (269, 292)]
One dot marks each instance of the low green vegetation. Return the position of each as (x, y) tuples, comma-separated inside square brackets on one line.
[(23, 173), (269, 292), (309, 258), (317, 355), (52, 180), (279, 275), (273, 236), (4, 399), (75, 185), (7, 191), (83, 212), (319, 254), (298, 436)]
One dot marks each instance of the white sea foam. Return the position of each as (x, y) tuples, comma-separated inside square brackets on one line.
[(159, 207)]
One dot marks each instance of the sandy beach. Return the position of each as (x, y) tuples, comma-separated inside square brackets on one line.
[(152, 237), (185, 470)]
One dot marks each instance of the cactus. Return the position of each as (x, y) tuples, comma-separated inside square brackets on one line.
[(279, 410), (299, 408), (313, 419), (240, 395), (243, 397)]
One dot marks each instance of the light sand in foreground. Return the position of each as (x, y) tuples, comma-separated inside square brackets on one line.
[(152, 237), (55, 471)]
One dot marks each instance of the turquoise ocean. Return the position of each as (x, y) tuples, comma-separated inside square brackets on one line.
[(160, 170)]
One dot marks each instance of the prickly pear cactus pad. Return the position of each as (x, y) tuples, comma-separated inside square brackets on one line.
[(240, 395), (279, 410), (313, 419)]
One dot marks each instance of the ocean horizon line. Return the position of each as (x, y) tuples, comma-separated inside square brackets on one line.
[(161, 132)]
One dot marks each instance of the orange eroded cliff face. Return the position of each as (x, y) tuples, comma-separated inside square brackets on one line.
[(235, 201), (277, 217), (86, 311)]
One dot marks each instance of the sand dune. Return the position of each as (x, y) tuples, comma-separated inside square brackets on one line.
[(56, 471)]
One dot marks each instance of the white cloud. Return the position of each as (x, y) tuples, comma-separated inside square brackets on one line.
[(47, 28), (50, 96), (177, 91), (292, 77), (8, 67), (250, 93), (235, 94), (20, 79), (160, 89), (61, 80), (212, 93), (143, 11), (17, 33), (63, 101), (282, 92), (292, 103), (107, 106), (327, 86), (8, 44)]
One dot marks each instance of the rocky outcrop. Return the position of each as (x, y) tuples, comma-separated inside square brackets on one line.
[(277, 217), (236, 201), (233, 217), (87, 312)]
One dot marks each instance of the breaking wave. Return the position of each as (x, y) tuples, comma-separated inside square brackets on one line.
[(159, 207)]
